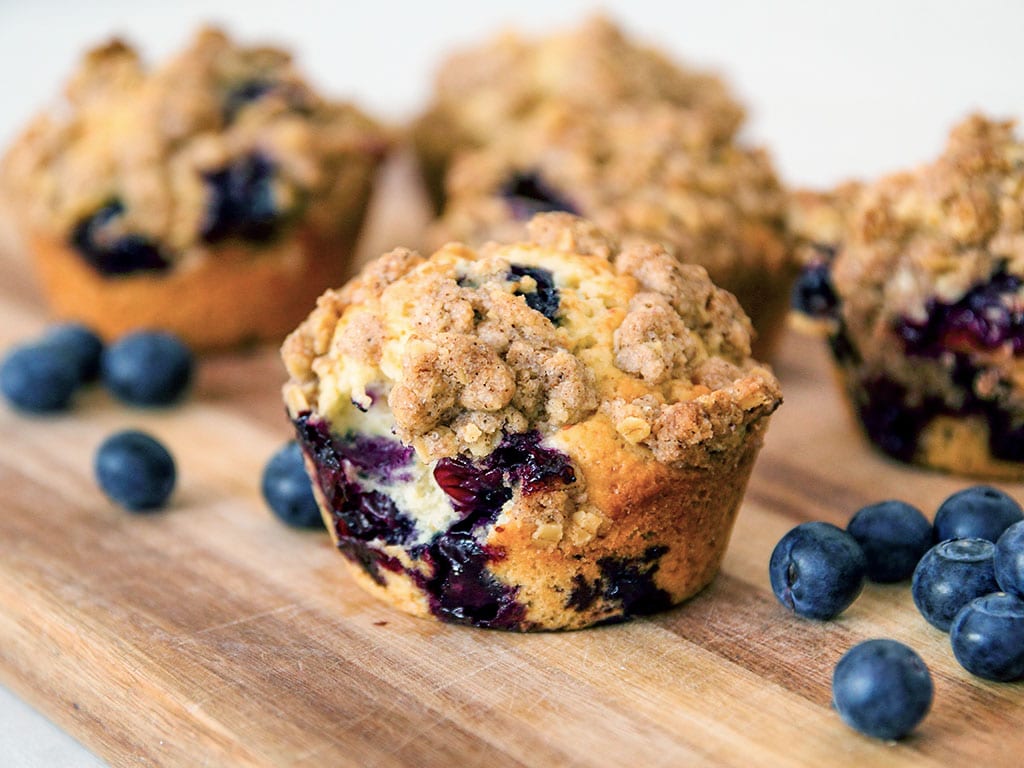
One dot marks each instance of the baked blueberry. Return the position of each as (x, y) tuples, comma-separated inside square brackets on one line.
[(894, 536), (135, 471), (79, 342), (147, 368), (544, 297), (980, 512), (882, 689), (988, 637), (102, 240), (37, 378), (287, 490), (528, 193), (242, 201), (1008, 560), (949, 576), (817, 570)]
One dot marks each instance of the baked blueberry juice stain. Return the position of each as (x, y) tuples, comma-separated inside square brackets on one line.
[(460, 586), (528, 193), (986, 318)]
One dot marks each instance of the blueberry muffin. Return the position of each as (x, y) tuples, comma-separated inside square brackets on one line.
[(480, 91), (541, 435), (640, 172), (215, 196), (917, 282)]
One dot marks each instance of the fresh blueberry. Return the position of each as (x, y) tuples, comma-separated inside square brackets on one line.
[(242, 201), (287, 489), (949, 576), (38, 378), (102, 241), (79, 342), (882, 689), (813, 293), (147, 368), (988, 637), (544, 298), (978, 512), (135, 470), (528, 193), (817, 570), (894, 536), (1008, 560)]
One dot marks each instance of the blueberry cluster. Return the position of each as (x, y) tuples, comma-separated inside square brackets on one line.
[(145, 368), (967, 578)]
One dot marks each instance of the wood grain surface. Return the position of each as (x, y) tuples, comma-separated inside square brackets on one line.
[(211, 635)]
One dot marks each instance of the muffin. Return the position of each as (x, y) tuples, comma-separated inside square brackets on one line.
[(480, 91), (918, 285), (640, 172), (541, 435), (215, 196)]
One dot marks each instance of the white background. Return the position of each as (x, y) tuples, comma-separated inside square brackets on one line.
[(834, 89)]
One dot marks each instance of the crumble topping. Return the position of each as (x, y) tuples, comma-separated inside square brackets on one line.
[(462, 358)]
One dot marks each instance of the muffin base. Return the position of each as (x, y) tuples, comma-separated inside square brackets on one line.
[(232, 296), (662, 534)]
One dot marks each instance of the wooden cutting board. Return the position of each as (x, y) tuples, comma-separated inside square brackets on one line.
[(212, 635)]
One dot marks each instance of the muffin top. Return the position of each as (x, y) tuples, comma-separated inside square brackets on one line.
[(221, 142), (641, 171), (936, 254), (481, 90), (467, 346)]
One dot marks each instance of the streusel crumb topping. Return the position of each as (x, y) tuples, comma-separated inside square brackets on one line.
[(470, 345)]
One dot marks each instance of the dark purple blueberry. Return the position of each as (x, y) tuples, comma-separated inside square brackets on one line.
[(986, 317), (287, 489), (817, 570), (949, 576), (894, 536), (978, 512), (892, 423), (242, 202), (1008, 560), (102, 241), (528, 193), (882, 688), (471, 487), (624, 582), (80, 343), (243, 94), (147, 368), (988, 637), (135, 471), (358, 513), (544, 298), (37, 378), (813, 293)]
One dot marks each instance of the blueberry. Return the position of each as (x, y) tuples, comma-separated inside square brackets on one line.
[(813, 293), (241, 201), (147, 368), (544, 298), (287, 489), (894, 536), (102, 241), (1008, 560), (243, 94), (978, 512), (988, 637), (38, 378), (949, 576), (882, 689), (817, 570), (79, 342), (135, 470), (528, 193)]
